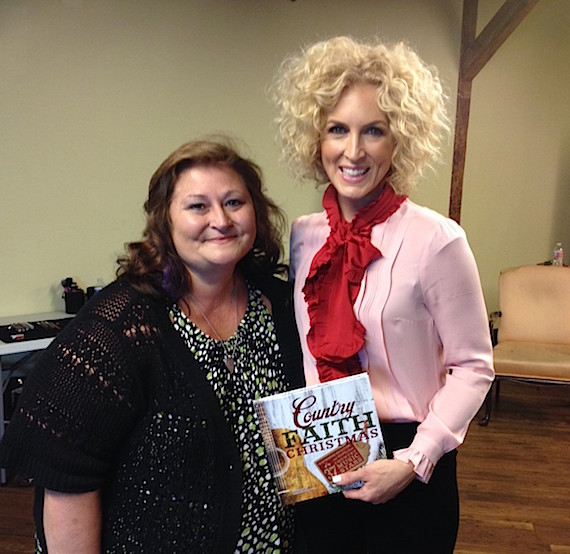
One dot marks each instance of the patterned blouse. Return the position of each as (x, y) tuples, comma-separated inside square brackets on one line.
[(266, 526)]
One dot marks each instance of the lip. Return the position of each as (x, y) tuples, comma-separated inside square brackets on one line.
[(353, 174), (222, 239)]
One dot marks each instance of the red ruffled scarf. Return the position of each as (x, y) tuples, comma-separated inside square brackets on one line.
[(333, 283)]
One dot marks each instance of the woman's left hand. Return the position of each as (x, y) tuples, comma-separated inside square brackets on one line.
[(383, 480)]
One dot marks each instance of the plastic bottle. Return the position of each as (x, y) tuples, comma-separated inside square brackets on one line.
[(91, 291), (558, 255), (100, 284)]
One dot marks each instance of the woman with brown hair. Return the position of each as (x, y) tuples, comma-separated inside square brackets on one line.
[(138, 426)]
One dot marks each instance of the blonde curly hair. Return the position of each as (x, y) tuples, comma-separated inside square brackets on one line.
[(309, 85)]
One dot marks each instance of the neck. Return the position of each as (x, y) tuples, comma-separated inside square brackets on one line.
[(213, 293), (221, 328), (349, 208), (215, 308)]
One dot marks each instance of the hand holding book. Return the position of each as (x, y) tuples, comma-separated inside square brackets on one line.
[(379, 481)]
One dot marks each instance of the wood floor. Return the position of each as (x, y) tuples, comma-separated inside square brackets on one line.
[(514, 475), (514, 480)]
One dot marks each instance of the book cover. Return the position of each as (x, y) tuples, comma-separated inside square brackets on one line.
[(314, 433)]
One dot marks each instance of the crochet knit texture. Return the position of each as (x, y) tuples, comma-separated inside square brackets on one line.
[(119, 403)]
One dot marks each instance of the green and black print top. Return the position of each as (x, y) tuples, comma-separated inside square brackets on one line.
[(266, 526)]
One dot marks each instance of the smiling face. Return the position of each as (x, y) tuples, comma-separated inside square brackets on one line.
[(356, 148), (212, 219)]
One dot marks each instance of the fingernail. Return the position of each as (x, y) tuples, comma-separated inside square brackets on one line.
[(336, 479)]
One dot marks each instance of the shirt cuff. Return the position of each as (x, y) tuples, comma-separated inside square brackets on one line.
[(423, 467)]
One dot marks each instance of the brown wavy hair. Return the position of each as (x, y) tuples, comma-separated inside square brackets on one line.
[(152, 264)]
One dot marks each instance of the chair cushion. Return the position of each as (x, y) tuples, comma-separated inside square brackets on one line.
[(532, 360), (535, 303)]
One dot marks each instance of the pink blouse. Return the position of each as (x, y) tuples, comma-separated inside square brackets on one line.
[(427, 346)]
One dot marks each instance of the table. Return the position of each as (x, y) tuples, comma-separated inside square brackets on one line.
[(21, 347)]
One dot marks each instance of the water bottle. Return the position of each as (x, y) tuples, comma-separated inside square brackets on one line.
[(91, 291), (558, 255)]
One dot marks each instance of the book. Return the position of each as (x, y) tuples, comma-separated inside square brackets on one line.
[(313, 433)]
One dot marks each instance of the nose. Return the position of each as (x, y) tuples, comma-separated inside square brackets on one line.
[(354, 149), (220, 218)]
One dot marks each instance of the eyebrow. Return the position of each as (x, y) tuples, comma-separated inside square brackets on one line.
[(375, 122), (193, 197), (205, 197)]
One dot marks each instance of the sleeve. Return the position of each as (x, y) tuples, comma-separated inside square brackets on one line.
[(294, 249), (452, 294), (308, 234), (76, 409)]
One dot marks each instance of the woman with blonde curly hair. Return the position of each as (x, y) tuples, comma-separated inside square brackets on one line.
[(384, 286)]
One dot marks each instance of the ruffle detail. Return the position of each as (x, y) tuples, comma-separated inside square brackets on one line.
[(423, 467), (334, 280)]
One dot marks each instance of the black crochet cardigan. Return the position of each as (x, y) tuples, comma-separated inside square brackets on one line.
[(118, 403)]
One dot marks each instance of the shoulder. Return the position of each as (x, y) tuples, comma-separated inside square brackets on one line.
[(117, 307), (120, 295), (308, 234), (306, 226), (429, 224), (309, 221), (278, 297), (276, 289), (433, 240)]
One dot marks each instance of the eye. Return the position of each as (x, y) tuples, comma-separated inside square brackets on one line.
[(336, 129), (376, 131), (234, 202), (196, 207)]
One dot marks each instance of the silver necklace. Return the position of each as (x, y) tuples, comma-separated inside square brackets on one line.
[(229, 359)]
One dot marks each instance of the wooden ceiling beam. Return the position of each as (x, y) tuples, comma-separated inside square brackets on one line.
[(475, 52), (481, 49)]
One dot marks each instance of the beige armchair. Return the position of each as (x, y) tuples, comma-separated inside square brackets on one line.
[(531, 333)]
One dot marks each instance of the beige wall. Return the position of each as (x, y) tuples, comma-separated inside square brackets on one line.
[(517, 177), (95, 94)]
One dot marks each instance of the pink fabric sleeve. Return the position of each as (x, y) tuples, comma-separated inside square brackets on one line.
[(423, 468), (452, 293)]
